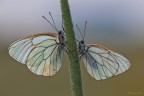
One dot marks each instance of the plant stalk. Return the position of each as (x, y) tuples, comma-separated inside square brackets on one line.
[(74, 67)]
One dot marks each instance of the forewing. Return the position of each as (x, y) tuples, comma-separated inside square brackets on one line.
[(20, 49), (102, 63)]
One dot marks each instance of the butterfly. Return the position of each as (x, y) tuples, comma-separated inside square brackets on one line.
[(42, 53), (101, 63)]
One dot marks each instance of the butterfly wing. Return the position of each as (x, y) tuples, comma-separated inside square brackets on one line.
[(41, 53), (102, 63)]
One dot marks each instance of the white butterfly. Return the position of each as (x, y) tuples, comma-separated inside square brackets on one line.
[(100, 62), (42, 53)]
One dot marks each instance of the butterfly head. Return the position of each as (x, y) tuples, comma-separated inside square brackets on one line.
[(60, 32), (82, 42), (81, 47), (61, 37)]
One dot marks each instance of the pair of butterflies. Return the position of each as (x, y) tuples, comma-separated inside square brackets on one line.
[(42, 53)]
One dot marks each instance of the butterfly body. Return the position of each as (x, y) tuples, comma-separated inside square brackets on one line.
[(82, 47), (61, 39)]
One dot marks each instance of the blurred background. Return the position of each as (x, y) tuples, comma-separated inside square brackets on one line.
[(116, 24)]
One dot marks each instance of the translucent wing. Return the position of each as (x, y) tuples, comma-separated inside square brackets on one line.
[(41, 53), (102, 63), (45, 60)]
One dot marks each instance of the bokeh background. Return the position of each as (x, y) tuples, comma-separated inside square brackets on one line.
[(116, 24)]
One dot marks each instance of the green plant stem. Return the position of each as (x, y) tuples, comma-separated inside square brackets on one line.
[(75, 73)]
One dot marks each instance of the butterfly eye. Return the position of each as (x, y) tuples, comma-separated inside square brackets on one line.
[(82, 41), (60, 32)]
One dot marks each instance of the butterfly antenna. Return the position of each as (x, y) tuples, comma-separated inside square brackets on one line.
[(49, 22), (80, 31), (53, 20), (85, 28)]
